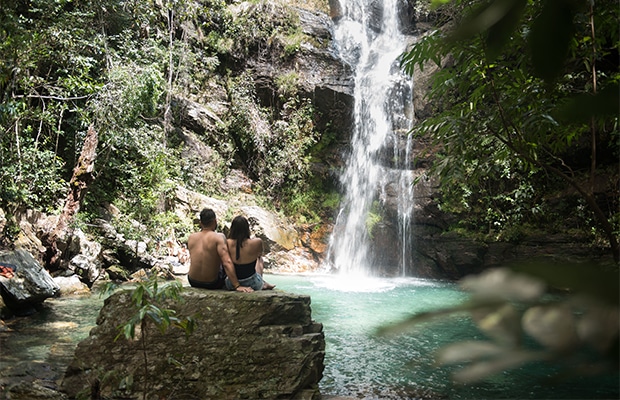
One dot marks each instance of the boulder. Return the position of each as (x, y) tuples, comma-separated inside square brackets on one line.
[(86, 257), (71, 285), (187, 203), (245, 346), (276, 233), (30, 285)]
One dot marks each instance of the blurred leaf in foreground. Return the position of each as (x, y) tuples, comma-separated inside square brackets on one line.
[(561, 313)]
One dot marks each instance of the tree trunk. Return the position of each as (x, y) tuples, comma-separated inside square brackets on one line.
[(82, 177)]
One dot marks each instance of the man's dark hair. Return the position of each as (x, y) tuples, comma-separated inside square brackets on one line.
[(207, 216)]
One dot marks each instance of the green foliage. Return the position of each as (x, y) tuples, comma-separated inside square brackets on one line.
[(148, 297), (64, 72), (130, 98), (509, 146), (310, 204), (287, 84), (372, 220), (48, 71), (135, 166), (118, 65), (292, 41), (276, 152), (256, 31), (31, 177), (508, 140), (168, 224)]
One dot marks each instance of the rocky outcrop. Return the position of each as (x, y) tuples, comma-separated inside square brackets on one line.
[(322, 76), (29, 285), (257, 345), (105, 253)]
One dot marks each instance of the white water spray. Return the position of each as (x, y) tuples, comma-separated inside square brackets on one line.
[(382, 103)]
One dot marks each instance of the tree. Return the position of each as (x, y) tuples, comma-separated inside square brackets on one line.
[(81, 179), (510, 122)]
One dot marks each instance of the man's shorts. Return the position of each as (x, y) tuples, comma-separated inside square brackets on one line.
[(216, 284)]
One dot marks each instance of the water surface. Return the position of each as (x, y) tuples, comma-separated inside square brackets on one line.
[(358, 363)]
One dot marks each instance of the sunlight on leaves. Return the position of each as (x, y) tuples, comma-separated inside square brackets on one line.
[(552, 326), (503, 283), (502, 324)]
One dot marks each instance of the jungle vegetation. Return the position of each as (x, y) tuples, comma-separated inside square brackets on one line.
[(527, 107), (526, 115), (124, 68), (526, 112)]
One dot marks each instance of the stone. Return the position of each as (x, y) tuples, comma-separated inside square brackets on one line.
[(86, 257), (245, 346), (33, 391), (293, 261), (187, 203), (276, 234), (30, 285), (71, 285)]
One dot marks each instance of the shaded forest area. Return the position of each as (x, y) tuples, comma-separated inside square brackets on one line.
[(526, 116)]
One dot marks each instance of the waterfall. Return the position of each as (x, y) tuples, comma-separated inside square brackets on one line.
[(368, 37)]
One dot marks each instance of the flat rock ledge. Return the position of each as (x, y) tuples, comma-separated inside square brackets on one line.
[(261, 345)]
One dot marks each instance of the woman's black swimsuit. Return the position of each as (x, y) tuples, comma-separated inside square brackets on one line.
[(244, 271)]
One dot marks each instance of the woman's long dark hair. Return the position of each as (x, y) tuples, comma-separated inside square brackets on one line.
[(239, 231)]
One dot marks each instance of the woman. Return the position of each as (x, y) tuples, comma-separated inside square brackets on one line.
[(246, 254)]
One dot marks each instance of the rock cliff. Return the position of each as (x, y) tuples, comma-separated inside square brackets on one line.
[(248, 346)]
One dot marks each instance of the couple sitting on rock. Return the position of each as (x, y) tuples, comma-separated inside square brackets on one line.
[(212, 255)]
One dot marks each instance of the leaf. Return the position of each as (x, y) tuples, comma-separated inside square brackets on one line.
[(427, 316), (552, 326), (487, 16), (437, 3), (466, 351), (128, 330), (598, 326), (582, 278), (503, 324), (605, 103), (484, 369), (503, 283), (550, 38), (175, 362), (138, 295), (501, 32)]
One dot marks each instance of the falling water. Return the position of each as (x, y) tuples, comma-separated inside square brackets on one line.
[(382, 103)]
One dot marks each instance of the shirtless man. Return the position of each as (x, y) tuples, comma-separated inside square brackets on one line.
[(209, 257)]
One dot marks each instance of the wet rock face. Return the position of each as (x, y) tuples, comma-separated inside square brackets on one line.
[(29, 284), (246, 345)]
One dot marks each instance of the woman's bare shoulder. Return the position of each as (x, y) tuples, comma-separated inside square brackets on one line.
[(256, 243)]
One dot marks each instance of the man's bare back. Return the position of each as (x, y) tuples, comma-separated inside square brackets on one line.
[(205, 259)]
